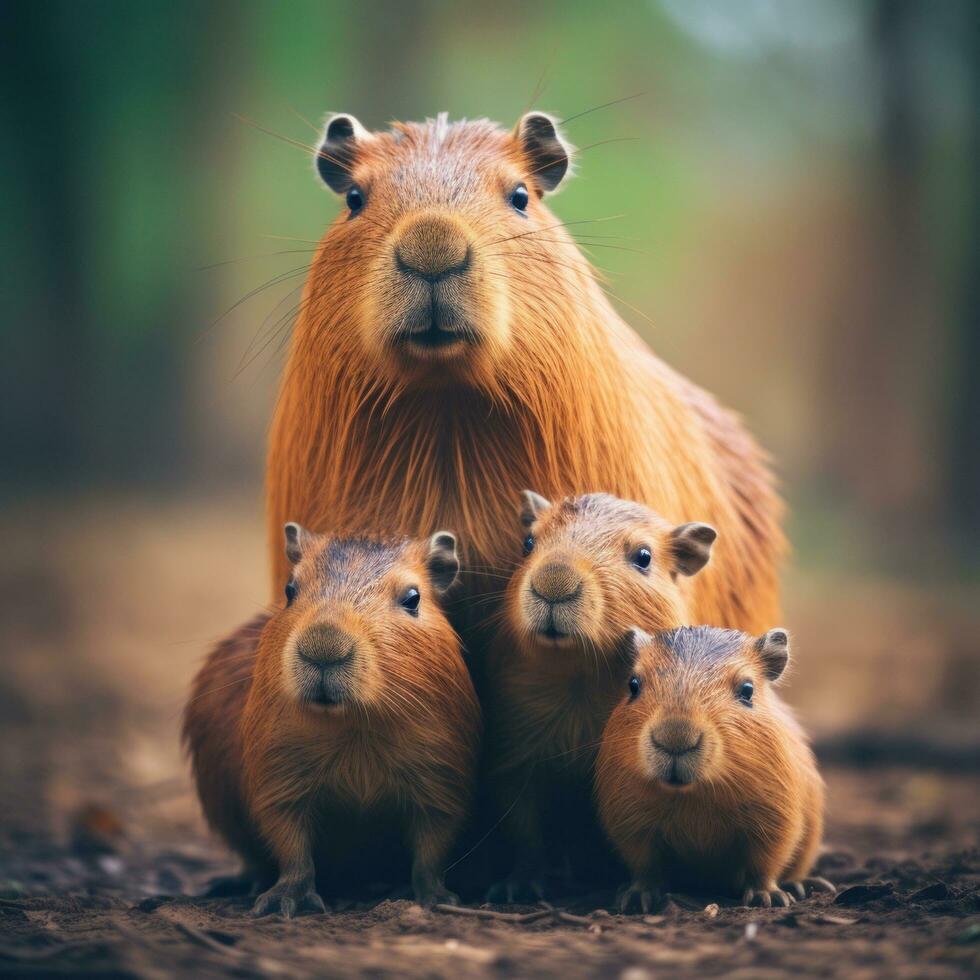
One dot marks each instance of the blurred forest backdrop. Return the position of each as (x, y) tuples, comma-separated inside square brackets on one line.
[(799, 182)]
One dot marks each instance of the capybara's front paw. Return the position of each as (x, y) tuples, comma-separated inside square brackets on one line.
[(808, 886), (435, 893), (288, 899), (767, 896), (640, 894)]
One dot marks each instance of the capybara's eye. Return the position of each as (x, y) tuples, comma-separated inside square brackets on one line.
[(634, 687), (745, 691), (355, 199), (529, 544), (519, 197), (410, 600), (292, 589), (642, 558)]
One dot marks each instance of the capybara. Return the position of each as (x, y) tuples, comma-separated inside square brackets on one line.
[(348, 731), (705, 782)]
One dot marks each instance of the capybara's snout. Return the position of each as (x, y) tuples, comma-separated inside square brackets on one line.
[(675, 753), (326, 654)]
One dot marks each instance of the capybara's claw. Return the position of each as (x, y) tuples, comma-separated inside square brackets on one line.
[(808, 886), (436, 895), (648, 898), (767, 897), (817, 884), (288, 900), (795, 888)]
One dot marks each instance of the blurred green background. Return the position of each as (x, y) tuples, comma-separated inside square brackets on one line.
[(796, 187)]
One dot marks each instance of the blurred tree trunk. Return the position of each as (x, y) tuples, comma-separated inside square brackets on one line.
[(883, 362), (109, 114), (47, 337), (964, 442)]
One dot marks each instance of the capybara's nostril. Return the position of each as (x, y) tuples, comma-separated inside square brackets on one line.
[(433, 248), (676, 736), (556, 582), (324, 644)]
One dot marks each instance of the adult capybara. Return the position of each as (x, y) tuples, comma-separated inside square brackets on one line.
[(454, 347), (336, 740)]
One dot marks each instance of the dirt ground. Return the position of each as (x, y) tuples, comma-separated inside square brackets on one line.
[(107, 608), (901, 846)]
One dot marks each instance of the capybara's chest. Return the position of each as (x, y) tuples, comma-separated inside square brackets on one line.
[(554, 724)]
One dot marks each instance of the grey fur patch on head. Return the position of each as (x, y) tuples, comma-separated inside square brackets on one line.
[(702, 644)]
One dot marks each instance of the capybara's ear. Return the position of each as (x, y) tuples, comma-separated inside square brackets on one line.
[(442, 560), (533, 505), (773, 650), (338, 151), (691, 545), (296, 538), (633, 642), (547, 154)]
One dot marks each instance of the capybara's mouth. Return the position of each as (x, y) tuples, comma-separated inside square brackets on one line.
[(676, 773), (551, 633), (434, 327), (434, 337)]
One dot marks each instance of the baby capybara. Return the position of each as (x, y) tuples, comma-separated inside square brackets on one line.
[(349, 730), (705, 782)]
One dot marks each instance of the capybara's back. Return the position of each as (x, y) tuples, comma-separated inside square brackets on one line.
[(212, 736)]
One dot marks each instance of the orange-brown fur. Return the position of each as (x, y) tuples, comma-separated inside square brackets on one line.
[(558, 393), (548, 699), (747, 818), (212, 734), (304, 788)]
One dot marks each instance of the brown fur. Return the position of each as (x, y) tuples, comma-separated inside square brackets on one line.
[(751, 814), (548, 700), (212, 734), (301, 787), (552, 389)]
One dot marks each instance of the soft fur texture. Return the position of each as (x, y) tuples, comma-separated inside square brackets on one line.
[(548, 697), (740, 809), (544, 386), (315, 792)]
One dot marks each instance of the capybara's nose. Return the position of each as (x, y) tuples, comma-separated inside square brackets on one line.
[(556, 581), (433, 248), (324, 644), (676, 736)]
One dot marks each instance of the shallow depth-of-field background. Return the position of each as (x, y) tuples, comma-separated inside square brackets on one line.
[(794, 187)]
